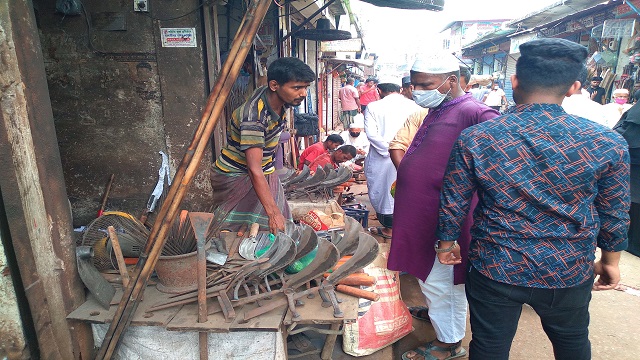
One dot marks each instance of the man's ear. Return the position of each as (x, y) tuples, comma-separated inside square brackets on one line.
[(574, 87), (273, 85), (514, 82)]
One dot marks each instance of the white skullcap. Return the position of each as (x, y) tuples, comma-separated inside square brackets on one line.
[(390, 80), (358, 122), (620, 92), (436, 63)]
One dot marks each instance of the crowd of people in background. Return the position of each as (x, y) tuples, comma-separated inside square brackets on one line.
[(480, 213), (495, 205)]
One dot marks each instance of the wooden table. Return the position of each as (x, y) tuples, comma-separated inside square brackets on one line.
[(312, 313), (185, 317)]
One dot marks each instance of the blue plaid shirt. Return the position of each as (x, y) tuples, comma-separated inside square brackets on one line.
[(551, 187)]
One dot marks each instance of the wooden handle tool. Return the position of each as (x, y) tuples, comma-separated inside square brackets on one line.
[(117, 250), (345, 289)]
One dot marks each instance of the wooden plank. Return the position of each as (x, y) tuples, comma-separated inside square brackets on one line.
[(312, 311), (92, 312), (187, 319), (34, 193)]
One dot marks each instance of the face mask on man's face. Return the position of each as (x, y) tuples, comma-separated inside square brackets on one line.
[(429, 98), (354, 134)]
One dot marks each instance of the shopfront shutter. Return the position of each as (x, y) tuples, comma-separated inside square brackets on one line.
[(511, 69)]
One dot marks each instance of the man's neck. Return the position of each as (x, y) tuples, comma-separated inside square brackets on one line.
[(541, 99), (457, 92), (275, 103)]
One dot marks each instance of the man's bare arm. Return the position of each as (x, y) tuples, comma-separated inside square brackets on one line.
[(396, 156), (261, 187)]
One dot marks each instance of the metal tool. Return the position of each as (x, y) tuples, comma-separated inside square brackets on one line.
[(326, 257), (107, 190), (163, 176), (366, 252), (348, 242), (247, 247), (98, 286), (217, 253), (298, 178)]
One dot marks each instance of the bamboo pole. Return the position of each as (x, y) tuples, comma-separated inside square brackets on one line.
[(186, 171)]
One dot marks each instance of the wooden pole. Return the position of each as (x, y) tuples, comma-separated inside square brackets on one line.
[(122, 267), (34, 195), (188, 166)]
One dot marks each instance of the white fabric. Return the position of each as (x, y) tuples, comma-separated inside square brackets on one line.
[(494, 97), (360, 143), (447, 303), (382, 120), (358, 121), (620, 92), (579, 105), (436, 62), (613, 112), (156, 342)]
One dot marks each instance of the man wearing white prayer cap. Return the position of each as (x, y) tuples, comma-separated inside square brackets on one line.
[(353, 136), (613, 111), (415, 248)]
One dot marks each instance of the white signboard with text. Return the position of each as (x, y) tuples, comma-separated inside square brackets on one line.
[(178, 37)]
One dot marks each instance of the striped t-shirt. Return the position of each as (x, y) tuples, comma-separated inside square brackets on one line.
[(254, 124)]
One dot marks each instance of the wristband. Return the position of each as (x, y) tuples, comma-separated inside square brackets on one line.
[(455, 243)]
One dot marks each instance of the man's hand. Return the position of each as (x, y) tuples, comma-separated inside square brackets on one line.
[(608, 276), (276, 222), (360, 152), (450, 257)]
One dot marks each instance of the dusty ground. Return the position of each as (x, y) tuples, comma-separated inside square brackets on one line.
[(614, 329)]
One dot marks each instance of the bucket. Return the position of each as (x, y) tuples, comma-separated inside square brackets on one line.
[(177, 273)]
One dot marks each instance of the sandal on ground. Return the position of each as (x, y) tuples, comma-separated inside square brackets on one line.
[(419, 312), (377, 230), (424, 352)]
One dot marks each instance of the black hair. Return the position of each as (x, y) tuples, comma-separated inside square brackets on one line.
[(372, 79), (475, 86), (389, 87), (335, 138), (406, 81), (348, 149), (549, 65), (582, 76), (465, 73), (286, 69), (350, 81)]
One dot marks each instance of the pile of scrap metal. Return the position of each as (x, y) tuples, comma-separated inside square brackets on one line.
[(320, 184), (258, 276)]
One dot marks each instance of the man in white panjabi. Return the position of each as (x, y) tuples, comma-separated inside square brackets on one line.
[(382, 120), (613, 111), (354, 136), (580, 105)]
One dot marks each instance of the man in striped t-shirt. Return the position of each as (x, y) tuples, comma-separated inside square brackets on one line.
[(245, 187)]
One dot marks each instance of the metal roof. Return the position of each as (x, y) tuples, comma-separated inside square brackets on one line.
[(542, 18), (576, 14), (554, 12), (490, 38)]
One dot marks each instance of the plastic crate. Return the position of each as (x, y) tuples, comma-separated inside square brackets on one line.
[(361, 215)]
